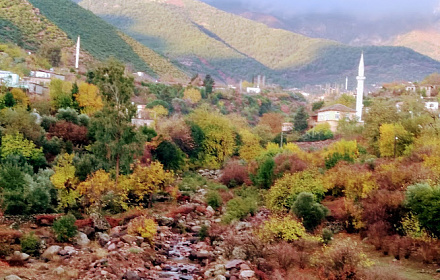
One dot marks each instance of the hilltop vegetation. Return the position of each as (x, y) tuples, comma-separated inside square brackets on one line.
[(97, 37), (207, 40), (22, 25)]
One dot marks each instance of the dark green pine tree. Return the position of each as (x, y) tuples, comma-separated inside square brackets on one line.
[(74, 91), (208, 83), (300, 119), (9, 100)]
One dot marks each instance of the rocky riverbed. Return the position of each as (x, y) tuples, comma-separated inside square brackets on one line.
[(101, 251)]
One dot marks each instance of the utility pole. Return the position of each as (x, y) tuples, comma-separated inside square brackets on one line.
[(395, 146)]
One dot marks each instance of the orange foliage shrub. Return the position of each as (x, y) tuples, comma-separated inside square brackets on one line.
[(235, 174), (355, 181), (385, 206), (69, 132), (289, 163)]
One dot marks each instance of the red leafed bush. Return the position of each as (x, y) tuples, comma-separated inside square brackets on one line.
[(235, 174), (69, 131), (289, 163), (337, 207), (183, 210), (9, 235), (113, 221), (46, 219), (84, 223), (383, 206)]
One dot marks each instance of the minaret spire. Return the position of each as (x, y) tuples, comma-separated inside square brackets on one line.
[(77, 53), (360, 88)]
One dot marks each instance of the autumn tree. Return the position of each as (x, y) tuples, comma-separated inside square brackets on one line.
[(145, 181), (192, 94), (95, 187), (219, 135), (88, 98), (115, 137), (272, 120), (394, 139), (60, 93), (16, 144), (65, 181), (20, 97)]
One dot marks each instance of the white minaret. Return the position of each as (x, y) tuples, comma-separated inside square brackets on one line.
[(346, 83), (77, 53), (360, 89)]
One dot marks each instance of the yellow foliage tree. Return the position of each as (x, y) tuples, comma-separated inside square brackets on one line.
[(65, 181), (283, 193), (343, 147), (89, 99), (394, 139), (219, 136), (353, 180), (146, 181), (20, 96), (64, 176), (192, 94), (251, 145), (95, 187), (272, 120), (159, 111)]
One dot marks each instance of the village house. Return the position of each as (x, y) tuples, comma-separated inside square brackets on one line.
[(332, 115)]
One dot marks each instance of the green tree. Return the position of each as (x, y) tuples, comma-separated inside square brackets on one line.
[(424, 201), (9, 100), (300, 119), (169, 155), (265, 174), (208, 83), (115, 137), (311, 212)]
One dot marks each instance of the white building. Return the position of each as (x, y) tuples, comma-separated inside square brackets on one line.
[(253, 90), (431, 105), (9, 79)]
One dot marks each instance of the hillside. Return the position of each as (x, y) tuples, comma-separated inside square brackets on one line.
[(23, 25), (426, 42), (230, 47), (102, 40)]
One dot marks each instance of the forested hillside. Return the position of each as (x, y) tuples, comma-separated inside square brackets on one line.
[(230, 47)]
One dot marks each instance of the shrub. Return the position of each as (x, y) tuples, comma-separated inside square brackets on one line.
[(47, 121), (83, 120), (282, 229), (190, 182), (30, 244), (64, 228), (169, 155), (239, 208), (214, 199), (143, 226), (204, 232), (286, 189), (69, 132), (68, 115), (265, 173), (235, 174), (424, 201), (327, 235), (311, 212), (342, 260), (288, 163)]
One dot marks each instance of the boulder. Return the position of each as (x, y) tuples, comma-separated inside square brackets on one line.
[(102, 238), (196, 229), (130, 239), (58, 271), (51, 252), (131, 275), (233, 263), (99, 222), (81, 239), (12, 277), (20, 256), (247, 274)]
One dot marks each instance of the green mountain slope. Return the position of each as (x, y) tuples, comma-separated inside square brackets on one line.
[(21, 24), (103, 40), (208, 40)]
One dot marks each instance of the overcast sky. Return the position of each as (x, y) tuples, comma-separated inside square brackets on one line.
[(349, 7)]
